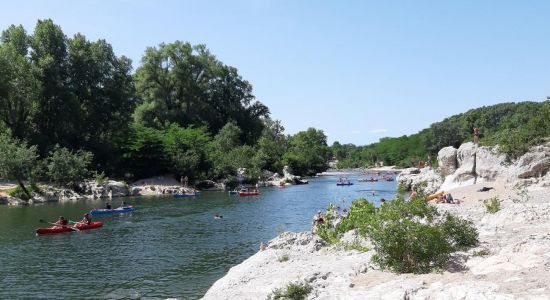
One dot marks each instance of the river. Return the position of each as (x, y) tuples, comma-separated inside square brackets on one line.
[(166, 248)]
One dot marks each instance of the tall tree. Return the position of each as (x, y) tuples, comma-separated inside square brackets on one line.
[(57, 108), (19, 90), (185, 84)]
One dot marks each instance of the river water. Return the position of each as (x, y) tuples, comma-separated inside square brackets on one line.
[(166, 248)]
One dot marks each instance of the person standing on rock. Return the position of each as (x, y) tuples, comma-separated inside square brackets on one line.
[(476, 135), (184, 181), (429, 161)]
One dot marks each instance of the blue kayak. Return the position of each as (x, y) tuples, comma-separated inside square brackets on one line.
[(186, 195), (104, 211)]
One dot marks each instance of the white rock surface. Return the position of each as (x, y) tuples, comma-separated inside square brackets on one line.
[(517, 266), (413, 178)]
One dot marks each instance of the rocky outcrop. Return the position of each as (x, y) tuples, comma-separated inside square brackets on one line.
[(426, 179), (111, 188), (476, 164), (446, 159)]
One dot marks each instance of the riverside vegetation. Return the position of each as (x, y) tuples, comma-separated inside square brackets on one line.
[(71, 108), (513, 126), (408, 236)]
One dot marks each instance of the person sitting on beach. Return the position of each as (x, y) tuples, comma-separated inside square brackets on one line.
[(86, 220), (382, 201), (62, 222)]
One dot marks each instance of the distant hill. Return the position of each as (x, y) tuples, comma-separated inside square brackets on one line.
[(513, 126)]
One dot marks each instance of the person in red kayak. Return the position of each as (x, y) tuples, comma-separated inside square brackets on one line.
[(62, 222), (86, 220)]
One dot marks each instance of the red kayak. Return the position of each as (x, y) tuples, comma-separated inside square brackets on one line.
[(59, 229)]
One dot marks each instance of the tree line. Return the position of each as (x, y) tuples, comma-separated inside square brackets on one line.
[(182, 111), (513, 126)]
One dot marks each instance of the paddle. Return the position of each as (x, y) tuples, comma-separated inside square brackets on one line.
[(72, 228)]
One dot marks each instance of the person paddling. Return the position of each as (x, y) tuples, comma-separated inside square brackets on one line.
[(124, 204), (108, 205), (86, 220), (62, 222)]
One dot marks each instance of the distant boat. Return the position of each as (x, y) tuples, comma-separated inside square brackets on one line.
[(344, 182), (248, 192), (187, 195), (368, 180), (233, 193)]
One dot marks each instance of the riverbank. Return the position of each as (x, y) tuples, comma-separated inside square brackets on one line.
[(511, 261)]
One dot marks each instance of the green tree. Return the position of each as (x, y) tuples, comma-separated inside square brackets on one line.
[(187, 151), (19, 90), (185, 84), (308, 153), (57, 108), (17, 160), (271, 146), (67, 168)]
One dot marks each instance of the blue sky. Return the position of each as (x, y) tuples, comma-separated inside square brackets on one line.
[(359, 70)]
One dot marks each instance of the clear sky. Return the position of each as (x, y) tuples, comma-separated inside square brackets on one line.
[(359, 70)]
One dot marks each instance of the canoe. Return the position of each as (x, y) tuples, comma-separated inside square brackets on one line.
[(186, 195), (344, 183), (104, 211), (244, 194), (433, 196), (58, 229), (368, 180)]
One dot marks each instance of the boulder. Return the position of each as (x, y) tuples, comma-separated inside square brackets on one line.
[(117, 188), (427, 179), (535, 163), (446, 159), (490, 164)]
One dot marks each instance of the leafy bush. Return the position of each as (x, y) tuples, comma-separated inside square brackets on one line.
[(18, 192), (407, 236), (355, 245), (360, 214), (67, 168), (492, 205), (293, 291), (482, 252), (100, 178), (283, 258)]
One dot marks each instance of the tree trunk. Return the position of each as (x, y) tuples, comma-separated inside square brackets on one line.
[(24, 188)]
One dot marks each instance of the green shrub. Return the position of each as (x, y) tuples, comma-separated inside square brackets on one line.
[(407, 236), (293, 291), (283, 258), (492, 205), (361, 211), (482, 252), (355, 245), (18, 192), (401, 188), (100, 178)]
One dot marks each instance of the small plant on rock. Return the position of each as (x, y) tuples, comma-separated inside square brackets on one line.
[(283, 258), (482, 252), (293, 291), (492, 205)]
